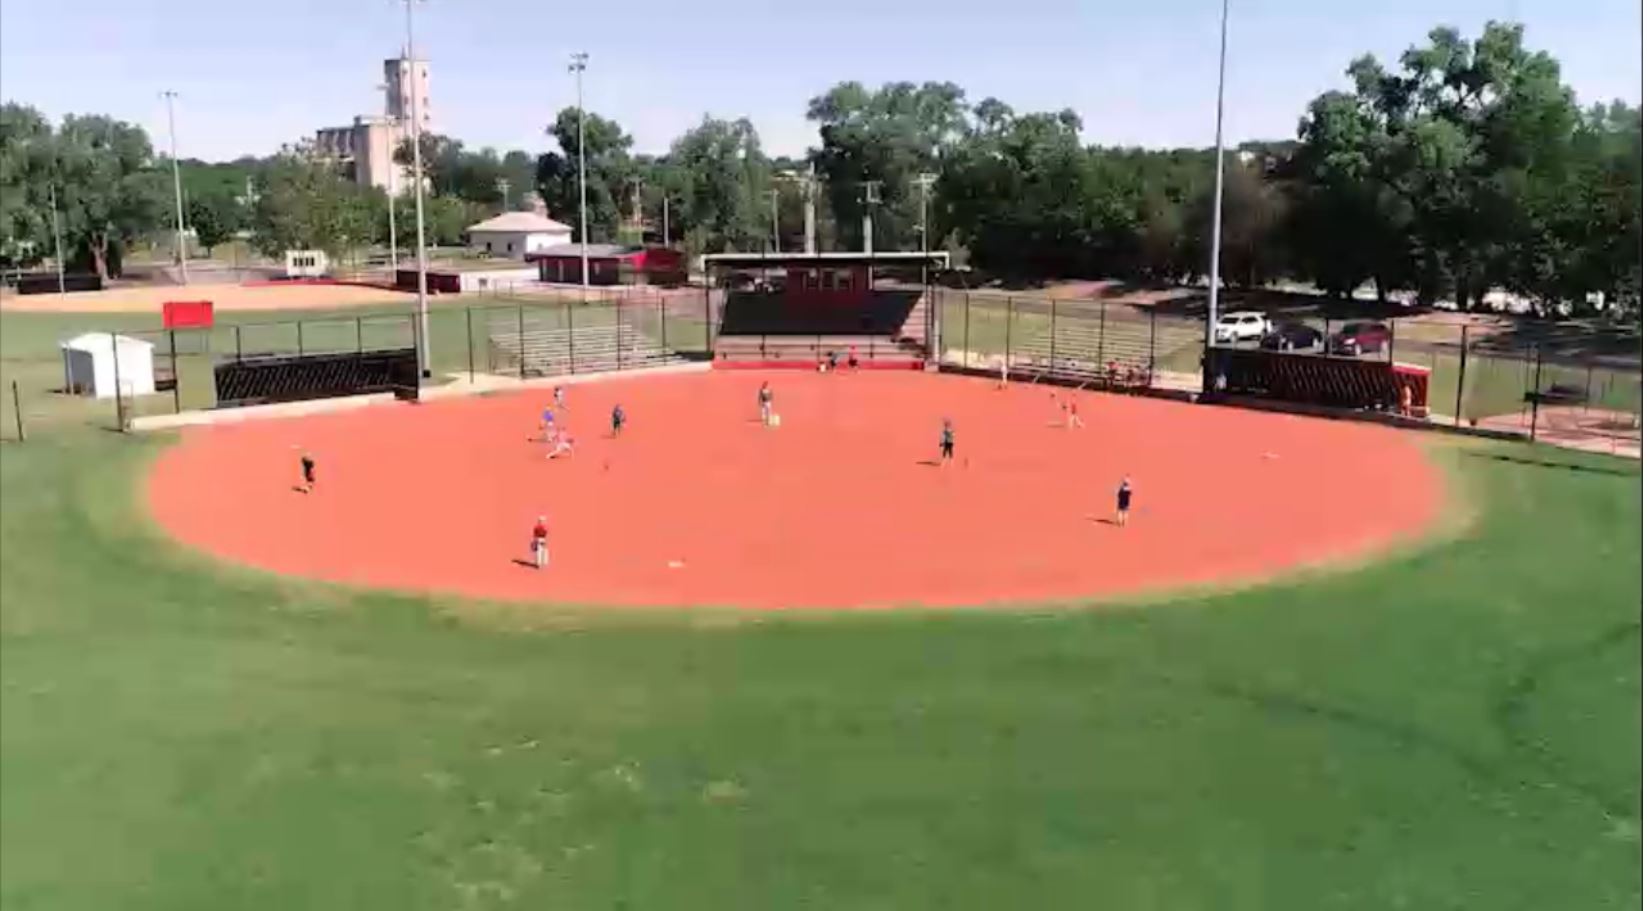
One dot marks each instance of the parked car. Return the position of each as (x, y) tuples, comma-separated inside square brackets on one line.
[(1291, 337), (1357, 338), (1240, 326)]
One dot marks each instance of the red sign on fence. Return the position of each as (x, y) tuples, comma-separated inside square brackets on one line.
[(187, 314)]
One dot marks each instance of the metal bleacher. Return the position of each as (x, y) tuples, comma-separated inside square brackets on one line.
[(1079, 347), (539, 344)]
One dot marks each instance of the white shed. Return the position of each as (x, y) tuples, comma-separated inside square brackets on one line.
[(89, 366), (514, 234)]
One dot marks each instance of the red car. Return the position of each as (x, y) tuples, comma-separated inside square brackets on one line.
[(1357, 338)]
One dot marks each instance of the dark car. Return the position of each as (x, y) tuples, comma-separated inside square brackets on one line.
[(1358, 338), (1291, 337)]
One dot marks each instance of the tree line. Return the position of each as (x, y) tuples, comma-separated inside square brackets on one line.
[(1461, 167)]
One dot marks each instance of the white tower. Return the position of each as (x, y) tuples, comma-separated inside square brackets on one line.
[(404, 77)]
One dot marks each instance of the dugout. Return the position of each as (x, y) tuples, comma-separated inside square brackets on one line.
[(1315, 379), (793, 309)]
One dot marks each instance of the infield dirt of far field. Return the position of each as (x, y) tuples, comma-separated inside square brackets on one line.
[(845, 504)]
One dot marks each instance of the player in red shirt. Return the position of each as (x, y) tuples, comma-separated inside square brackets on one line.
[(540, 544)]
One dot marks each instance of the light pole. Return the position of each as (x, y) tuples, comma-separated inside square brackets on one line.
[(417, 183), (580, 62), (925, 180), (177, 187), (395, 129), (57, 237), (1217, 187)]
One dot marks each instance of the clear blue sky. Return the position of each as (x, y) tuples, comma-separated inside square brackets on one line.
[(254, 75)]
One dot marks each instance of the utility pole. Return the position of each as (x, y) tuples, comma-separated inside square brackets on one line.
[(417, 183), (503, 189), (925, 181), (177, 187), (666, 216), (580, 62), (57, 237), (777, 244), (810, 188), (872, 198), (1217, 191)]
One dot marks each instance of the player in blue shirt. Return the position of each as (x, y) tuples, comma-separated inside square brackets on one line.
[(618, 419), (1123, 502)]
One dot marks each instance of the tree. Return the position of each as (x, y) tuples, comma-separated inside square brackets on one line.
[(113, 191), (718, 178), (1440, 174), (607, 167), (888, 136), (27, 156), (216, 216), (305, 204)]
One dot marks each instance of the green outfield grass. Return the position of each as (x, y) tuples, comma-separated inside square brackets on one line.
[(1456, 727)]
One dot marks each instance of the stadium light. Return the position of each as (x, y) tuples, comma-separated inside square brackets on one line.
[(417, 183), (1217, 187), (394, 244), (580, 62), (177, 186)]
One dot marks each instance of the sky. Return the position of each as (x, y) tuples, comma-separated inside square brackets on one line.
[(251, 76)]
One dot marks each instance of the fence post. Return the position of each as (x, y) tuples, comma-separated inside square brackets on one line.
[(360, 337), (119, 405), (1589, 374), (571, 347), (1052, 353), (966, 332), (708, 343), (1390, 354), (617, 327), (469, 334), (300, 338), (1103, 318), (1152, 346), (1463, 363), (520, 341), (1009, 333), (663, 325), (17, 411), (177, 381), (237, 343), (418, 344), (1538, 377)]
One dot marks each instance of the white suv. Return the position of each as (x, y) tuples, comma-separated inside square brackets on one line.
[(1240, 326)]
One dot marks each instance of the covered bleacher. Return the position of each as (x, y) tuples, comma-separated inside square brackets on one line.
[(794, 309)]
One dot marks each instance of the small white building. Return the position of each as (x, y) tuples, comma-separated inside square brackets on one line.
[(90, 367), (306, 264), (514, 234)]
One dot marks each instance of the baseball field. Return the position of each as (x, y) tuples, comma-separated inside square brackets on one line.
[(1323, 665)]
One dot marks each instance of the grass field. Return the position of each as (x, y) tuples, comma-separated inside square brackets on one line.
[(1455, 727)]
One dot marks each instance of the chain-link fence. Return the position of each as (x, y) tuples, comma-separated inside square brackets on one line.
[(1097, 342), (174, 371), (1571, 383)]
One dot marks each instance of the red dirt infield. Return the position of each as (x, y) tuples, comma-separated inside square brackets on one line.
[(843, 505)]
